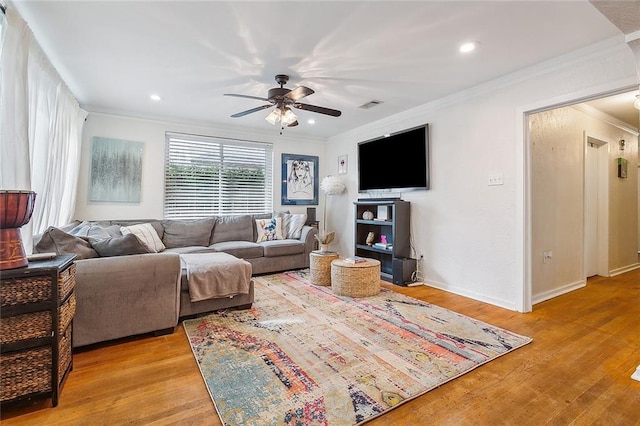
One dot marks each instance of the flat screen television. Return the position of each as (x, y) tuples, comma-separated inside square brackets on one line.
[(395, 163)]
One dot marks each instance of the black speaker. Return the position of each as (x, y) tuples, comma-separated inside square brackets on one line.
[(403, 268), (311, 214)]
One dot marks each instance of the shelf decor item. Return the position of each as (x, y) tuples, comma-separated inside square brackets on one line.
[(367, 215), (16, 208), (370, 238)]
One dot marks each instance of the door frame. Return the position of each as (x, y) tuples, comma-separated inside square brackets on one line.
[(523, 255)]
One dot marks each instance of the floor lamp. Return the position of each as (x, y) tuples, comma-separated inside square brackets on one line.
[(330, 185)]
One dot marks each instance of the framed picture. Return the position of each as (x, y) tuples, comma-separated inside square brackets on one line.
[(342, 164), (299, 179), (116, 170)]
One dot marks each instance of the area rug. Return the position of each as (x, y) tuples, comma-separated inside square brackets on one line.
[(304, 356)]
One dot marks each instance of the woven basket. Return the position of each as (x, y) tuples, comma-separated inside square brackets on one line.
[(320, 267), (19, 291), (25, 372), (66, 313), (64, 353), (355, 279), (36, 324), (66, 281), (26, 326)]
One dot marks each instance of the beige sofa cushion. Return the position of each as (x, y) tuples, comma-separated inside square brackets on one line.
[(233, 228), (282, 247), (184, 233)]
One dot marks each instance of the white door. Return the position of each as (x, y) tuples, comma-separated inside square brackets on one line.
[(596, 208), (591, 210)]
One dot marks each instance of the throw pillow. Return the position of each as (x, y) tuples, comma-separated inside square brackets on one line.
[(269, 229), (56, 240), (292, 225), (147, 236), (95, 231), (119, 246)]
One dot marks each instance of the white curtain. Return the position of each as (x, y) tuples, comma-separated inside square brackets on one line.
[(41, 129)]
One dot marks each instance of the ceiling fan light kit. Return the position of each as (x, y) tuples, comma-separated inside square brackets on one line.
[(283, 99)]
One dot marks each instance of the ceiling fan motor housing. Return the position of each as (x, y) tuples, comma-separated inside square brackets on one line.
[(277, 94)]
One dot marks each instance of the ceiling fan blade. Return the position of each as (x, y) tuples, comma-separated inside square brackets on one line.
[(318, 109), (245, 96), (299, 93), (294, 124), (249, 111)]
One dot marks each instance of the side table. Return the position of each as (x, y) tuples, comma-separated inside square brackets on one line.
[(37, 305), (320, 266), (360, 279)]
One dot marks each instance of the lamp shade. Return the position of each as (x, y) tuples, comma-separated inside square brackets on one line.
[(288, 117), (331, 185), (274, 116)]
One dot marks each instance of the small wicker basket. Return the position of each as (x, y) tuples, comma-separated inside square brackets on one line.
[(360, 279), (320, 267)]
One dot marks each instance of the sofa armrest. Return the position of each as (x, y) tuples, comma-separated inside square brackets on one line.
[(125, 295), (308, 237)]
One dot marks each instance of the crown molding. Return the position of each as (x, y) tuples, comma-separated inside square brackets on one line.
[(596, 113), (239, 132)]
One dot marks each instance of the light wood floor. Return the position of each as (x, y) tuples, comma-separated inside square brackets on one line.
[(576, 372)]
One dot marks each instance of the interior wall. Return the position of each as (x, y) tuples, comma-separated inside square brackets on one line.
[(623, 197), (557, 198), (152, 134), (469, 232)]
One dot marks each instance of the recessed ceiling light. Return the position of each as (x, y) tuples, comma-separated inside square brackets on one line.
[(468, 47), (155, 97), (311, 121)]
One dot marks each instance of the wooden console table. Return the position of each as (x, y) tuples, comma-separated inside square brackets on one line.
[(37, 305)]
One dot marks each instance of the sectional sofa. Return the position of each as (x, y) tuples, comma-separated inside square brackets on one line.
[(124, 289)]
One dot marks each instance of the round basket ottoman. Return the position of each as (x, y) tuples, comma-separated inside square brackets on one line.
[(320, 266), (360, 279)]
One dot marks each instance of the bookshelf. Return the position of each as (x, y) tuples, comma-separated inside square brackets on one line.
[(391, 218)]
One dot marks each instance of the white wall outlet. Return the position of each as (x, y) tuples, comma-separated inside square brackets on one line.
[(547, 256), (495, 179)]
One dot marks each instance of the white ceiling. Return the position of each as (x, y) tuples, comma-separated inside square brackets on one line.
[(113, 55)]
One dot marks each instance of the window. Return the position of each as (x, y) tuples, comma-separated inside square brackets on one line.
[(207, 176)]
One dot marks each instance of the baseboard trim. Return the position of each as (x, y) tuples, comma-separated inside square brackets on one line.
[(550, 294), (472, 295), (624, 269)]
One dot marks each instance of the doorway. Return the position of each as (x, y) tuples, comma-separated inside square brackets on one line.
[(596, 212), (555, 258)]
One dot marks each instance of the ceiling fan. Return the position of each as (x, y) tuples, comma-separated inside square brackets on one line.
[(283, 99)]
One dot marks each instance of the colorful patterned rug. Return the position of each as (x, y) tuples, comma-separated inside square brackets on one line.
[(304, 356)]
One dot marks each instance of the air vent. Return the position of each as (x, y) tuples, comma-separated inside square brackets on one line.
[(370, 104)]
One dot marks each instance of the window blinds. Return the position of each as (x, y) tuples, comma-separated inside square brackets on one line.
[(208, 176)]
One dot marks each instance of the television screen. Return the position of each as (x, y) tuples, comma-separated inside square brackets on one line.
[(396, 163)]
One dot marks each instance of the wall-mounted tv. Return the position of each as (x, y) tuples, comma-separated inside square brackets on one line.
[(396, 163)]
